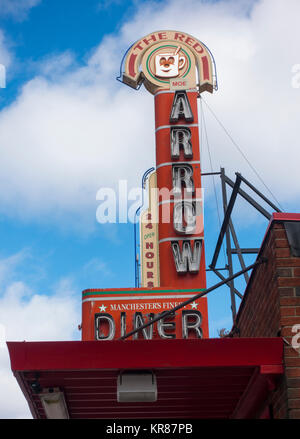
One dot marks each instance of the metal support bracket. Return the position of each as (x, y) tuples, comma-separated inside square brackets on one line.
[(227, 230)]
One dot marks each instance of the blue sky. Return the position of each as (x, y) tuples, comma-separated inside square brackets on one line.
[(51, 28), (59, 144), (54, 27)]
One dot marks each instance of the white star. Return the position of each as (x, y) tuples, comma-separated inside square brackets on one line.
[(194, 305), (102, 308)]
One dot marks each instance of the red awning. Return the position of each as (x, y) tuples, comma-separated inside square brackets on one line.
[(210, 378)]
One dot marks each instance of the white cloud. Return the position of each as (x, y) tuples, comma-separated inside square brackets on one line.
[(18, 9), (12, 402), (72, 139), (9, 264), (105, 4), (25, 315), (5, 54), (96, 265)]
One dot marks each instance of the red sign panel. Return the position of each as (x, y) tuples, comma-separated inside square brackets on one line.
[(111, 314)]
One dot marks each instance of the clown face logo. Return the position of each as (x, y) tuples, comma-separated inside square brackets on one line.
[(168, 65)]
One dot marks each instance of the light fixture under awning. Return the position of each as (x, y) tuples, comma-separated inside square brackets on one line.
[(137, 387), (54, 404)]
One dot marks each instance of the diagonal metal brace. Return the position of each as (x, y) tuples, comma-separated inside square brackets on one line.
[(227, 216), (196, 297), (250, 200), (223, 278)]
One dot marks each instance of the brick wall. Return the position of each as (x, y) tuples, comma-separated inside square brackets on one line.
[(270, 308)]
